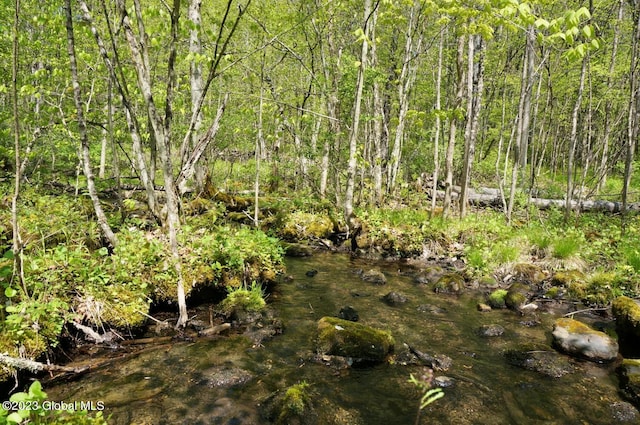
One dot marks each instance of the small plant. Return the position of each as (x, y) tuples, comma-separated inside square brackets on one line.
[(565, 248), (245, 298), (425, 386)]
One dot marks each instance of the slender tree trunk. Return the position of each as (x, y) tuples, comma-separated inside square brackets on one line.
[(521, 145), (573, 141), (117, 78), (608, 119), (413, 44), (15, 226), (633, 123), (438, 124), (475, 86), (82, 129), (453, 120), (349, 217)]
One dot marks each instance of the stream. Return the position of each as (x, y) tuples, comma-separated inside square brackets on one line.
[(232, 380)]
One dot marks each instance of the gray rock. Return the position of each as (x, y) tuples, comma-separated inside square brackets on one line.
[(577, 339), (622, 411), (225, 377)]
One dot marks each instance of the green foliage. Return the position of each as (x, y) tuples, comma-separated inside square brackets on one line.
[(37, 410)]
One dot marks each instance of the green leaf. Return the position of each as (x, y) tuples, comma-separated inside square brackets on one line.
[(14, 418), (9, 292), (541, 23), (587, 31), (8, 255)]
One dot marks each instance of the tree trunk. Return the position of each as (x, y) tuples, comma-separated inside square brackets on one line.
[(438, 124), (521, 145), (82, 130), (448, 182), (633, 124), (475, 86), (573, 141)]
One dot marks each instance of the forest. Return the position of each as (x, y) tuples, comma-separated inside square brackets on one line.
[(149, 149)]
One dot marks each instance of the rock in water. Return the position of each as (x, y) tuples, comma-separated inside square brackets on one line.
[(343, 338), (394, 299), (348, 313), (374, 276), (577, 339)]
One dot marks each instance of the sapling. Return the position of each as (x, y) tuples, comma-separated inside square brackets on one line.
[(429, 394)]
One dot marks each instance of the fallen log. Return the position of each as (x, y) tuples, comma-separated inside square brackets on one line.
[(35, 367), (490, 197)]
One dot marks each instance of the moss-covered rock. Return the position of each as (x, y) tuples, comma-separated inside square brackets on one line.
[(497, 298), (449, 283), (297, 250), (428, 275), (343, 338), (516, 296), (627, 314), (578, 339), (629, 372)]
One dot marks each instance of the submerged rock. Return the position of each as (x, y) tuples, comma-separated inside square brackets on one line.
[(540, 360), (489, 331), (624, 412), (374, 276), (348, 313), (394, 299), (428, 275), (339, 337), (578, 339), (224, 377), (627, 314)]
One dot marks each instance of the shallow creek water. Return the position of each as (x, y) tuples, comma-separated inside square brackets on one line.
[(185, 382)]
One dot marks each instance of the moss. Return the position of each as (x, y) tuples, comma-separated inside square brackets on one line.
[(302, 225), (340, 337), (553, 293), (295, 401), (497, 298)]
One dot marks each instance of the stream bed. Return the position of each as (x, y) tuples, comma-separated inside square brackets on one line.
[(233, 380)]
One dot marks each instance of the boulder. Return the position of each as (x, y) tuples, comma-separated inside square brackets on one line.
[(344, 338), (578, 339), (627, 314)]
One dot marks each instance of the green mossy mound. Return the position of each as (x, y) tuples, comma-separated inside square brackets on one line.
[(343, 338), (497, 299)]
